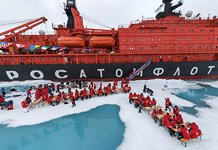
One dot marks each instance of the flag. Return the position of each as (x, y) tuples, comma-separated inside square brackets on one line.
[(45, 47), (20, 45), (139, 70), (5, 44), (33, 47), (55, 48)]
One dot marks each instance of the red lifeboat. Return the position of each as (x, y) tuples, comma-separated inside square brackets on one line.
[(71, 41), (102, 42)]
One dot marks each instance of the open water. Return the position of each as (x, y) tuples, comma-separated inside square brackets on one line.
[(197, 96), (98, 129)]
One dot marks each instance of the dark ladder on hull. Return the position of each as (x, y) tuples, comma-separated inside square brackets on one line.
[(135, 73)]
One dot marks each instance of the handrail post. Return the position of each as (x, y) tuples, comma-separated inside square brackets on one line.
[(109, 58), (96, 59), (77, 59)]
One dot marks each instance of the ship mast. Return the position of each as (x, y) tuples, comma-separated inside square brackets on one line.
[(168, 9)]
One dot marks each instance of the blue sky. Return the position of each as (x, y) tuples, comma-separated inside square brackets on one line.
[(110, 12)]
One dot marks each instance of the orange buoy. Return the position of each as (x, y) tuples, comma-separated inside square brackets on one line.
[(71, 41), (102, 42)]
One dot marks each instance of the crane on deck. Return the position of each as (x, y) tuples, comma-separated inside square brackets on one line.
[(12, 33)]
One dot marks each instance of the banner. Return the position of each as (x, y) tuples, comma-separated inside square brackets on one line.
[(139, 70), (5, 44)]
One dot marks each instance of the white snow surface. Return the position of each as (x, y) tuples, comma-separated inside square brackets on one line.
[(141, 132)]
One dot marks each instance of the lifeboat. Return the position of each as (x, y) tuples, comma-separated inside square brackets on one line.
[(71, 41), (102, 42)]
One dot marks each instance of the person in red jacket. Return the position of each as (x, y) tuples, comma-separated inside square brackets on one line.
[(24, 105), (166, 120), (167, 104), (76, 95), (2, 99), (58, 99), (160, 111), (154, 115), (153, 102), (28, 92), (194, 130), (84, 93), (37, 94), (176, 110), (91, 93), (64, 96), (49, 99), (130, 97), (100, 92), (2, 102), (179, 119), (184, 133)]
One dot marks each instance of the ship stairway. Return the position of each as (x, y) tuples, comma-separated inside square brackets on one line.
[(135, 73)]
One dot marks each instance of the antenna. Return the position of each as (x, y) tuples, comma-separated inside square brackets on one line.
[(159, 8)]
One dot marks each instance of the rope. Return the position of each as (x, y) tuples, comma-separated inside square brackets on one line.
[(12, 22), (95, 21)]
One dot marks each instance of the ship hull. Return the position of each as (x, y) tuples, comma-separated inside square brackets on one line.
[(188, 70)]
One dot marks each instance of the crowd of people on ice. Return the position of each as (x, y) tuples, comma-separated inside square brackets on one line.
[(170, 118), (51, 94)]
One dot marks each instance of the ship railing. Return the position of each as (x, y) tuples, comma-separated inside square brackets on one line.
[(104, 58), (199, 18), (36, 33), (136, 22), (58, 26)]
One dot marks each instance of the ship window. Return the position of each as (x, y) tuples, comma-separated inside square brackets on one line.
[(131, 40), (141, 40), (201, 30), (161, 30), (171, 30), (191, 30), (216, 38), (180, 39), (142, 31), (211, 30), (216, 46), (124, 40), (160, 39), (151, 30), (189, 39)]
